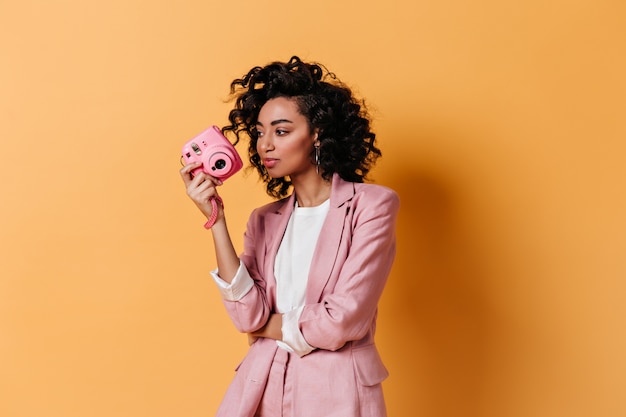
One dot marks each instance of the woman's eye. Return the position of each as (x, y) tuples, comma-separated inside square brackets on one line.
[(281, 132), (259, 134)]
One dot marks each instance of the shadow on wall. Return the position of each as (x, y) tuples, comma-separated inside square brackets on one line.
[(436, 326)]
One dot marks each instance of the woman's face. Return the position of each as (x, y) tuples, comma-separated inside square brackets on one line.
[(285, 141)]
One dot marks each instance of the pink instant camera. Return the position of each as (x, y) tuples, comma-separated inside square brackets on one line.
[(218, 156)]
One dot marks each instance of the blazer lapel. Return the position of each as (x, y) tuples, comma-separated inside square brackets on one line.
[(330, 239), (275, 226)]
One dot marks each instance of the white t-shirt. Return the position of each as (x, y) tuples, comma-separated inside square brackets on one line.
[(291, 269)]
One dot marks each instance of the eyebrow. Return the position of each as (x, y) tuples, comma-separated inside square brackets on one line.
[(275, 122)]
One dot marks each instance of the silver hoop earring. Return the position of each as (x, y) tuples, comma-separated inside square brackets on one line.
[(317, 159)]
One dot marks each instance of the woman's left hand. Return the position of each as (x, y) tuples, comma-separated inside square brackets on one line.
[(252, 339), (271, 330)]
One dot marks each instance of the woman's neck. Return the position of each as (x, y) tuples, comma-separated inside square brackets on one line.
[(312, 192)]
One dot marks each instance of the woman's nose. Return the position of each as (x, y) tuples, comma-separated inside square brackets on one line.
[(265, 143)]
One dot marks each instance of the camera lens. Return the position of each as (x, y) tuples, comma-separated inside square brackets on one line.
[(220, 164)]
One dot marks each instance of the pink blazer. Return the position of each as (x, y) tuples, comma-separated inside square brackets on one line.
[(350, 266)]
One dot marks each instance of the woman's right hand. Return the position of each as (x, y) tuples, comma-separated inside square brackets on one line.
[(201, 188)]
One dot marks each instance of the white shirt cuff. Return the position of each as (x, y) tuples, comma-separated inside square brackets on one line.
[(241, 284), (292, 336)]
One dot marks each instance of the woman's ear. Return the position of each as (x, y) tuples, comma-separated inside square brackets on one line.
[(316, 134)]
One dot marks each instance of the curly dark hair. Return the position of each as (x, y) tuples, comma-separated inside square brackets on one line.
[(343, 123)]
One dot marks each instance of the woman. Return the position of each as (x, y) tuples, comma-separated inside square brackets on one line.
[(315, 262)]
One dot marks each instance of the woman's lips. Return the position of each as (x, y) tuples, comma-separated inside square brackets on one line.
[(269, 162)]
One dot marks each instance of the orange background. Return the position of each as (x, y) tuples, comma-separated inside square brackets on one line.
[(502, 128)]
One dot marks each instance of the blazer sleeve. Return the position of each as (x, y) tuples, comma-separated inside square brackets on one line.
[(346, 312), (250, 312)]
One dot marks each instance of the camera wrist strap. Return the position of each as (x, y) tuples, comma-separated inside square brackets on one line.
[(214, 200)]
